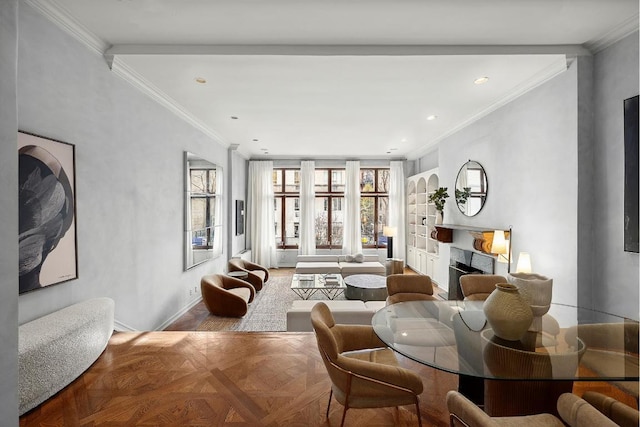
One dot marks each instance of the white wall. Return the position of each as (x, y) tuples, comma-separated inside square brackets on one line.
[(616, 284), (129, 179), (238, 184), (528, 149), (9, 214)]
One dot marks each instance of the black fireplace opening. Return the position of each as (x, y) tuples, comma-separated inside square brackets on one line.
[(463, 262)]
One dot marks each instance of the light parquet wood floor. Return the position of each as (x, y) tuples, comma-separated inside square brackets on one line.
[(220, 379)]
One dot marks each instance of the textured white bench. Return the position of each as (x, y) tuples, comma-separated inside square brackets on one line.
[(55, 349), (349, 312)]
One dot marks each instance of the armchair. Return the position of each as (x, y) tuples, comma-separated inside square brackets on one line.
[(362, 379), (258, 275), (618, 412), (226, 296), (409, 287), (477, 287), (573, 410)]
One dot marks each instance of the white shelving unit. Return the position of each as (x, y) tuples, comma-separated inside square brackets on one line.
[(422, 249)]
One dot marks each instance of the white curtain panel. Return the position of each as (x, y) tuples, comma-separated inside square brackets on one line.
[(397, 216), (307, 208), (188, 261), (260, 205), (352, 238), (218, 225)]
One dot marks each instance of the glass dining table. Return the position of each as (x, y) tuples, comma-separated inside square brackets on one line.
[(514, 377)]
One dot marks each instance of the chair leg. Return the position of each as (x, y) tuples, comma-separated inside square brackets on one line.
[(329, 403), (344, 413), (418, 413)]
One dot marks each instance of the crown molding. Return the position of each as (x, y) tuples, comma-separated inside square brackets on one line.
[(120, 69), (536, 80), (345, 50), (59, 16), (626, 27)]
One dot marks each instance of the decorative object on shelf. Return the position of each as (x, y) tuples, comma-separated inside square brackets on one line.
[(500, 246), (507, 312), (389, 232), (438, 198), (471, 188), (424, 220), (536, 290), (524, 263), (444, 235)]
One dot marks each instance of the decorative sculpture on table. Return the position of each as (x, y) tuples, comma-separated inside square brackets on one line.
[(536, 290), (508, 314)]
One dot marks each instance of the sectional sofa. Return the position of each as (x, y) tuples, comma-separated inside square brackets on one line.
[(342, 264)]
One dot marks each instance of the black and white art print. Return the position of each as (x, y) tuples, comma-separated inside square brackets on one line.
[(47, 230)]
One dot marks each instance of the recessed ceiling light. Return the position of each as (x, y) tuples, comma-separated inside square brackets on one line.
[(432, 117), (481, 80), (200, 80), (255, 139), (264, 149), (234, 117), (388, 152), (392, 149), (403, 140)]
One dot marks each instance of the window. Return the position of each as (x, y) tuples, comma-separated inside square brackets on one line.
[(329, 206)]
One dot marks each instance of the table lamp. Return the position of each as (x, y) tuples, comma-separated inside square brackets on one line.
[(500, 246), (389, 232)]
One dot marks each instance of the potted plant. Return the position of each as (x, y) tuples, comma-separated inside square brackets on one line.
[(438, 198)]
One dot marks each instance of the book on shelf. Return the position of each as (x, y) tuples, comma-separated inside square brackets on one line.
[(305, 277)]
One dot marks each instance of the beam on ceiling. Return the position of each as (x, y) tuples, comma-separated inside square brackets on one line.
[(346, 50)]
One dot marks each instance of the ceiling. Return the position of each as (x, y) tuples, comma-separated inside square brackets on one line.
[(339, 78)]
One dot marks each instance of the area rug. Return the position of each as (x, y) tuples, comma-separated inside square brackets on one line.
[(267, 312)]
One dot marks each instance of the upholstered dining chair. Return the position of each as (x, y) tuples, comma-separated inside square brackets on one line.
[(364, 373), (225, 295), (618, 412), (478, 287), (409, 287), (574, 411), (258, 275)]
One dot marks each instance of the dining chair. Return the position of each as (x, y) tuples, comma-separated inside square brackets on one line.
[(478, 287), (364, 373), (409, 287), (258, 275), (618, 412), (574, 412)]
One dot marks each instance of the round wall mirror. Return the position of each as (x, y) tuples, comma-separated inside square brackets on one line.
[(471, 188)]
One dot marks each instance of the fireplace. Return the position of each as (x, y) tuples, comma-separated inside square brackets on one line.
[(463, 262)]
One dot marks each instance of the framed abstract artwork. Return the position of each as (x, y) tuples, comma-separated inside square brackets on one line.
[(47, 215), (631, 175)]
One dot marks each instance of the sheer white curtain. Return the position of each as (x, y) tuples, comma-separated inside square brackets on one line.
[(352, 239), (260, 205), (397, 215), (307, 208), (218, 202)]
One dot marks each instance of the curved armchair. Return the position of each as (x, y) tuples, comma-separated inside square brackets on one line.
[(574, 411), (226, 296), (258, 275), (409, 287), (618, 412), (362, 379), (478, 287)]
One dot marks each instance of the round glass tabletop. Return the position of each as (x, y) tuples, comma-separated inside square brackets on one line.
[(454, 336)]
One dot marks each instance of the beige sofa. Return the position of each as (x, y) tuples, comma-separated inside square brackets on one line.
[(352, 312), (326, 264)]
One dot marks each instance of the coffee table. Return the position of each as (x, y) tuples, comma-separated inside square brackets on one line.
[(366, 287), (306, 285)]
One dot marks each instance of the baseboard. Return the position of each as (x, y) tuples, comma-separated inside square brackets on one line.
[(121, 327)]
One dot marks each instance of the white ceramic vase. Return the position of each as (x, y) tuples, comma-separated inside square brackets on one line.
[(508, 314), (536, 291), (439, 217)]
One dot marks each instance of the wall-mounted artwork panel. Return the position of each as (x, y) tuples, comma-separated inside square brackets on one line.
[(46, 208)]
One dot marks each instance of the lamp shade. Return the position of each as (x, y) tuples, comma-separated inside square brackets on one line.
[(524, 263), (389, 231), (499, 243)]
